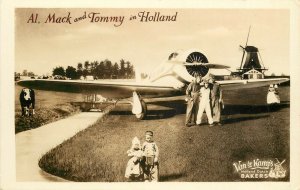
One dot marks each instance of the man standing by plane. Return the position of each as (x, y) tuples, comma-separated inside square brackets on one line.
[(205, 104), (216, 101), (193, 99)]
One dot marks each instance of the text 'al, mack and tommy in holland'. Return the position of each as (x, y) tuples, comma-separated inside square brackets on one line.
[(97, 17)]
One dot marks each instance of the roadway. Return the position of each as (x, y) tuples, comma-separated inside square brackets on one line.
[(31, 145)]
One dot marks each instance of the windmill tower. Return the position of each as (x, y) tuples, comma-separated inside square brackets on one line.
[(251, 66)]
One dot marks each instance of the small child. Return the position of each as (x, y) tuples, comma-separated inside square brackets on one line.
[(150, 158), (133, 170)]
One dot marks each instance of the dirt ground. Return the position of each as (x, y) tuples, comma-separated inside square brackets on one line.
[(200, 153)]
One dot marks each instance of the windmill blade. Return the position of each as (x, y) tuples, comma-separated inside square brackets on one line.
[(244, 48), (248, 36), (242, 59)]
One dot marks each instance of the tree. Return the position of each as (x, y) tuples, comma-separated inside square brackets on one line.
[(115, 70), (59, 71), (99, 70), (122, 68), (17, 76), (25, 73), (128, 70), (131, 72), (30, 74), (71, 72), (86, 70), (94, 65), (79, 73), (108, 68), (85, 73), (87, 65), (79, 70), (79, 66)]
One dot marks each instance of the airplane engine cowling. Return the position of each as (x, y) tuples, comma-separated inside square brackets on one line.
[(196, 57), (188, 72)]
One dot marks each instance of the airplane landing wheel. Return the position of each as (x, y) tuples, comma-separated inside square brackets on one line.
[(142, 115)]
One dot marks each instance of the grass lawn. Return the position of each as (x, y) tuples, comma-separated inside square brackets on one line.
[(186, 154), (49, 107)]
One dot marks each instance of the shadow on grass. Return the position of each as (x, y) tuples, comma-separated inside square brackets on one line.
[(170, 177), (241, 153), (151, 114), (253, 109), (239, 119), (155, 113)]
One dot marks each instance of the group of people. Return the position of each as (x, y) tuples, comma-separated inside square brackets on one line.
[(203, 95), (143, 162)]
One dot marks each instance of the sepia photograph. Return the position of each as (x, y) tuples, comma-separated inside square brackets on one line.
[(129, 95)]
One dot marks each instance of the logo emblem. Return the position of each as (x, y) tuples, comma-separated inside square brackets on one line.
[(260, 169)]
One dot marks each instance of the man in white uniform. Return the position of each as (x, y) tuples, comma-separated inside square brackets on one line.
[(205, 104)]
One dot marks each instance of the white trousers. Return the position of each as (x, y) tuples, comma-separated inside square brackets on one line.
[(204, 106)]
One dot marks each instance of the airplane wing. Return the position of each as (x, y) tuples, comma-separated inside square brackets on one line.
[(107, 88), (251, 83), (124, 89)]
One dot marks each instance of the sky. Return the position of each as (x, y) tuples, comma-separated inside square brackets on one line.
[(39, 47)]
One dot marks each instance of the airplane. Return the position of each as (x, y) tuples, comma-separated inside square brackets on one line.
[(169, 79)]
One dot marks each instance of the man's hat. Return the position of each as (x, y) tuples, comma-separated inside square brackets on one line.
[(206, 81), (197, 75), (211, 80), (149, 133), (135, 140)]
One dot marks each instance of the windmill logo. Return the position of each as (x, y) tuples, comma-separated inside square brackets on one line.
[(277, 171)]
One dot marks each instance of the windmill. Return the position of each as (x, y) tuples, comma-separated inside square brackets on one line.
[(251, 64)]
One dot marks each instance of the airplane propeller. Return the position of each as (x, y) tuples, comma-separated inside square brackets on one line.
[(207, 65)]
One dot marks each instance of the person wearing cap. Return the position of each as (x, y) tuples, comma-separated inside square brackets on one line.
[(150, 158), (216, 101), (205, 104), (193, 99), (134, 170)]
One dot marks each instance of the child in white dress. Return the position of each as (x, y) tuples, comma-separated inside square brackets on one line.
[(133, 170)]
